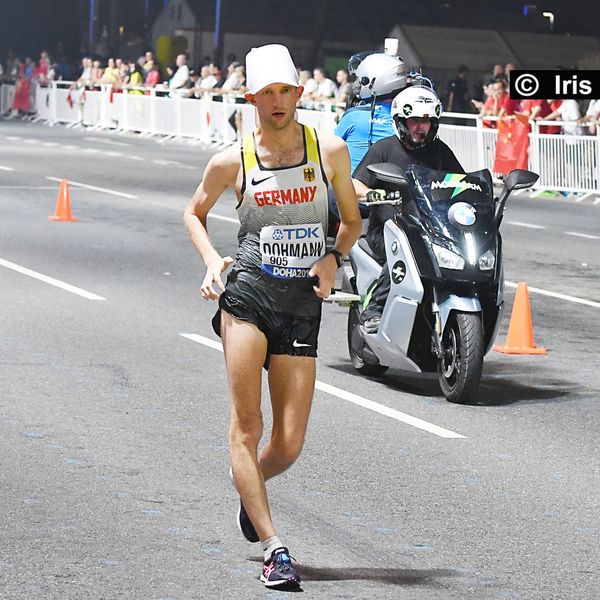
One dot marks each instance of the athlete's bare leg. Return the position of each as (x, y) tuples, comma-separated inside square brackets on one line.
[(291, 384), (245, 349)]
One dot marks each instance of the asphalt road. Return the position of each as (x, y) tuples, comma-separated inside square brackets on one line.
[(113, 425)]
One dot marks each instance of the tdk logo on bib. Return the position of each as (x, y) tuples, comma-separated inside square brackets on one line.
[(296, 233)]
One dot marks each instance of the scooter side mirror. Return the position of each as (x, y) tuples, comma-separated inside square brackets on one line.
[(520, 179), (390, 173), (515, 180)]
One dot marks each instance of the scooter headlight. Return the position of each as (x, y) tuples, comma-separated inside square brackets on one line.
[(448, 259), (487, 261)]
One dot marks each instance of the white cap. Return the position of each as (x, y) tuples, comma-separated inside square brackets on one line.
[(269, 64)]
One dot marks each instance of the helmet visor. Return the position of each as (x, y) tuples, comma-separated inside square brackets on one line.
[(356, 59)]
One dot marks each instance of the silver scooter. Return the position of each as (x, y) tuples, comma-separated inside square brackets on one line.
[(444, 255)]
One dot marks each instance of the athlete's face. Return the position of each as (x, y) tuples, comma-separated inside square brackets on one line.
[(276, 104), (418, 127)]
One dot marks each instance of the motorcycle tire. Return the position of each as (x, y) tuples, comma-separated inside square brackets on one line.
[(459, 370), (356, 344)]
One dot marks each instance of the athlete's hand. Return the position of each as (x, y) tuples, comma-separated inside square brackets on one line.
[(324, 269), (213, 278)]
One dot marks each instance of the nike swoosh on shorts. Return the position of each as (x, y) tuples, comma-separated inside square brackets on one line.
[(257, 181), (297, 344)]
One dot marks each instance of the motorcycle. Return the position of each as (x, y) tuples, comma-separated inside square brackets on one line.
[(444, 255)]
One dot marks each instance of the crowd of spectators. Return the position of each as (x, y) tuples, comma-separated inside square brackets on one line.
[(580, 117), (146, 73), (143, 74)]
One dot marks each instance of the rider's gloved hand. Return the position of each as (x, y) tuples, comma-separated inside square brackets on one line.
[(375, 195)]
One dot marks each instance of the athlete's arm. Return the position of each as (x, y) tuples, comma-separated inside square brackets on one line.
[(220, 173), (337, 166), (360, 189)]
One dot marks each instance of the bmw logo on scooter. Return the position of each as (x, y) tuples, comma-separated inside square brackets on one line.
[(463, 214), (398, 272)]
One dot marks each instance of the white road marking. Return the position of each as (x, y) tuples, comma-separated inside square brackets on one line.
[(56, 282), (27, 187), (596, 201), (95, 188), (556, 295), (133, 157), (353, 398), (200, 339), (223, 218), (528, 225), (3, 168), (587, 236), (31, 141), (162, 161), (51, 144), (101, 141), (13, 138), (387, 411), (112, 153)]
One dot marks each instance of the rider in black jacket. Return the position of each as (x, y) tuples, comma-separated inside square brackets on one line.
[(415, 114)]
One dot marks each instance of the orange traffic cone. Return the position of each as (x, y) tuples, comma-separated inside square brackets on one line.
[(520, 330), (62, 212)]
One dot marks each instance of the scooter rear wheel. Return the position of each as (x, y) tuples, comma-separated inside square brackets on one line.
[(356, 345), (459, 369)]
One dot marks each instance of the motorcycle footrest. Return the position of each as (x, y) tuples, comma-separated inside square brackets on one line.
[(342, 298)]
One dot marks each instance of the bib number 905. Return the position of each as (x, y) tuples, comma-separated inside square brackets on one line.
[(280, 261)]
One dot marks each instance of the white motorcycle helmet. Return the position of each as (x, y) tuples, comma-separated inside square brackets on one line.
[(416, 101), (378, 74)]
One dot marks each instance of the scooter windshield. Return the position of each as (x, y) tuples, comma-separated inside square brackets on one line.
[(455, 206)]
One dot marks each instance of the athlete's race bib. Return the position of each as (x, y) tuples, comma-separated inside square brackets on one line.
[(289, 251)]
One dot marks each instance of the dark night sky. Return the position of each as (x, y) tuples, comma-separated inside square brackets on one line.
[(28, 26)]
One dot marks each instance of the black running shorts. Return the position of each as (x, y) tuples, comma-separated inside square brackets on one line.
[(288, 313)]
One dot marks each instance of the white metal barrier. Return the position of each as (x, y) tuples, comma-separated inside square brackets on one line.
[(217, 119), (7, 95), (565, 162), (569, 163)]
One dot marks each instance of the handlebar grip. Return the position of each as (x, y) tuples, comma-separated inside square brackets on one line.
[(382, 196), (375, 195)]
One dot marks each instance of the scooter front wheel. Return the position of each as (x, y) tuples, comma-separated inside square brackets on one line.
[(460, 367), (356, 345)]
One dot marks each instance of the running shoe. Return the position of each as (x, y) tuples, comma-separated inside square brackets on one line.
[(279, 572), (245, 525)]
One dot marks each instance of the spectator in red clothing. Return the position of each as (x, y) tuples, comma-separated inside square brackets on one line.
[(554, 105), (536, 110), (21, 98), (153, 76), (486, 107), (506, 106)]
